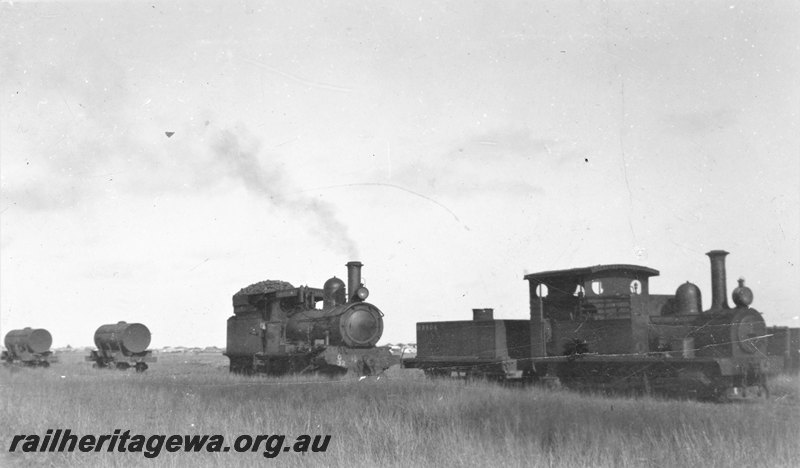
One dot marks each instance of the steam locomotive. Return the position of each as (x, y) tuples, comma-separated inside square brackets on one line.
[(122, 345), (599, 327), (277, 329), (28, 347)]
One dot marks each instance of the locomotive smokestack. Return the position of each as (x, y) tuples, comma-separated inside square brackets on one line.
[(353, 280), (719, 294)]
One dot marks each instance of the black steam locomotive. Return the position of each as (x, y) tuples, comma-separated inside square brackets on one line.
[(600, 328), (277, 329), (28, 347)]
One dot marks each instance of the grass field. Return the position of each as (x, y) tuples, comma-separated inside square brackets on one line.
[(397, 420)]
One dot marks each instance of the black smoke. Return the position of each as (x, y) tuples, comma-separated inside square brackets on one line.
[(239, 154)]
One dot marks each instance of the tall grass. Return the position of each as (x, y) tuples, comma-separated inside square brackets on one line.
[(392, 421)]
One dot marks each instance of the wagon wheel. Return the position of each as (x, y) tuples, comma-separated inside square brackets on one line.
[(717, 392), (762, 390)]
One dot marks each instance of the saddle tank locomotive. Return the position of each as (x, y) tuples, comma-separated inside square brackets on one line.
[(277, 329)]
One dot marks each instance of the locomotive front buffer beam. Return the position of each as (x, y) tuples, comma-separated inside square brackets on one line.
[(331, 361), (705, 378)]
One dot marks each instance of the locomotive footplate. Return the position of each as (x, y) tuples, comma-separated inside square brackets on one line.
[(697, 377), (329, 360)]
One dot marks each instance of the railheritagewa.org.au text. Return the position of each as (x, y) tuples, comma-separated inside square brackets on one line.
[(151, 446)]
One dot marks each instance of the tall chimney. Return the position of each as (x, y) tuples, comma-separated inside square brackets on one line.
[(353, 279), (719, 293)]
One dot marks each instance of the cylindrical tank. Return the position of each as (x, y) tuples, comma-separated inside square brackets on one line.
[(355, 324), (688, 300), (130, 338), (31, 340)]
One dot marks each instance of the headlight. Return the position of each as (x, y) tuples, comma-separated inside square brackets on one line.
[(362, 293)]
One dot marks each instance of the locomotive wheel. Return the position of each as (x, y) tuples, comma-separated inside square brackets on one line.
[(240, 365), (762, 390), (141, 367), (549, 382), (44, 364), (123, 365), (242, 370), (756, 392), (436, 373)]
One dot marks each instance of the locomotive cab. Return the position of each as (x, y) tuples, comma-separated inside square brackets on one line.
[(580, 308)]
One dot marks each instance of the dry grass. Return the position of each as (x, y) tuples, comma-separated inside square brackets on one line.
[(393, 421)]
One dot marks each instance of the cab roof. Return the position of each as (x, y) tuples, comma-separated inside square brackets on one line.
[(593, 271)]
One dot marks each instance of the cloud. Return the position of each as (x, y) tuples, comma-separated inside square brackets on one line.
[(498, 163), (73, 125), (41, 197), (699, 121), (508, 144)]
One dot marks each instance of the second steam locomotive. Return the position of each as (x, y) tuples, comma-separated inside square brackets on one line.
[(277, 329), (600, 327)]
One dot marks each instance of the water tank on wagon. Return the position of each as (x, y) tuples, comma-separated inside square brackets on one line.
[(122, 345), (29, 347)]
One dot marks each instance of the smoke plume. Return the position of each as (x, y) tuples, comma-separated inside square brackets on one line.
[(238, 152)]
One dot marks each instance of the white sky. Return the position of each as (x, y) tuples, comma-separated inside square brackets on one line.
[(450, 146)]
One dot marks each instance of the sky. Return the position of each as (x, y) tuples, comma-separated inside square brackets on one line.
[(452, 147)]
